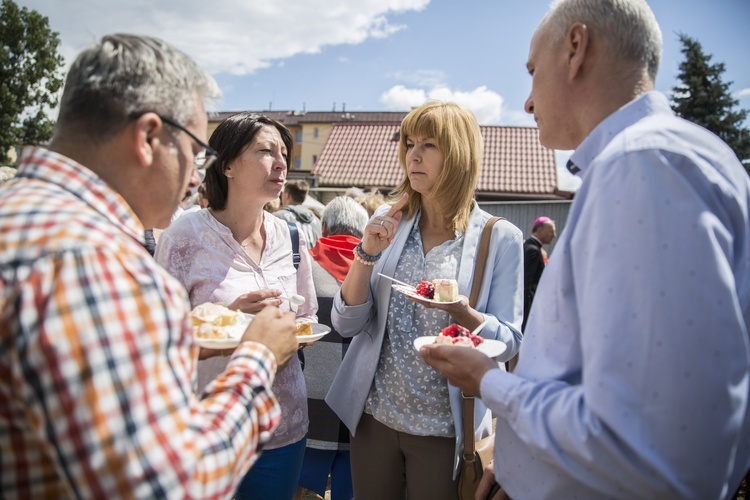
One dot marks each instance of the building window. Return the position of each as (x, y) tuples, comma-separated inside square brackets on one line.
[(297, 163), (315, 159), (315, 133), (299, 136)]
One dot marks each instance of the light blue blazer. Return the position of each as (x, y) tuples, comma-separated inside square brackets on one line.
[(500, 301)]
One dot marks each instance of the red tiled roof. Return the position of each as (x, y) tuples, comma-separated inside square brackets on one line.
[(515, 162), (290, 118), (360, 155), (367, 155)]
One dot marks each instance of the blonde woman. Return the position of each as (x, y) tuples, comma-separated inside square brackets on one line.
[(404, 418)]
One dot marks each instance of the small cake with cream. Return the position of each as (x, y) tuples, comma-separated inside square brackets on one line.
[(454, 334), (210, 321), (304, 328), (215, 314), (209, 331), (446, 290)]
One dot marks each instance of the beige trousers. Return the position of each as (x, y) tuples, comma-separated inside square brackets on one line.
[(387, 464)]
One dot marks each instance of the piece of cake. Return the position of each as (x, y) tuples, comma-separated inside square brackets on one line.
[(454, 334), (214, 314), (212, 321), (304, 328), (426, 289), (446, 290), (210, 331)]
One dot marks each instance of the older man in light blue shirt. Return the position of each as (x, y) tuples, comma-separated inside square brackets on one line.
[(634, 374)]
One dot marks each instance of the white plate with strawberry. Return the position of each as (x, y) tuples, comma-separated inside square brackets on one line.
[(457, 335)]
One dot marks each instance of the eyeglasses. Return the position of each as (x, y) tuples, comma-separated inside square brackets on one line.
[(203, 159)]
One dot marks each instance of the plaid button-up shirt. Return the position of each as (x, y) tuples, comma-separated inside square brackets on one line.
[(97, 357)]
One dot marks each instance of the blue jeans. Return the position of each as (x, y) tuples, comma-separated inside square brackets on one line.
[(319, 464), (274, 476)]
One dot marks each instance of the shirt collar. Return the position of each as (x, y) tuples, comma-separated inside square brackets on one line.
[(69, 175), (647, 104)]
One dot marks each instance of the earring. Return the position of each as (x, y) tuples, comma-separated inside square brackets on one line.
[(229, 176)]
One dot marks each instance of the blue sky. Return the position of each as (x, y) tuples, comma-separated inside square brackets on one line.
[(374, 55)]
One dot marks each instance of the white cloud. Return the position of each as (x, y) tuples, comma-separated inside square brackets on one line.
[(399, 98), (742, 93), (484, 103), (428, 78), (226, 35)]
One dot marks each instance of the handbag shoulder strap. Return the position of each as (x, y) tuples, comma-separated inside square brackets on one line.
[(468, 427), (468, 401), (481, 260), (294, 235)]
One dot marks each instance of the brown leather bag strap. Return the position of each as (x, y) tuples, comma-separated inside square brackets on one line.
[(476, 284), (481, 260), (468, 417)]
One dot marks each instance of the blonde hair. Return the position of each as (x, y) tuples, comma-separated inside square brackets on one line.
[(458, 137), (371, 201)]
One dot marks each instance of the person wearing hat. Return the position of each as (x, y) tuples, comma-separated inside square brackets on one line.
[(542, 233)]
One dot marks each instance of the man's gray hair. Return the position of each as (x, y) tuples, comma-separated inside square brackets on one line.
[(629, 26), (343, 215), (125, 75)]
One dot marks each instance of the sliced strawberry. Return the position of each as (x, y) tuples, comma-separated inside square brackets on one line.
[(426, 289), (457, 331), (454, 330)]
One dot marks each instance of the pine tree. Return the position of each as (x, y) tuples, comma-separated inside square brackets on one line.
[(703, 98), (29, 77)]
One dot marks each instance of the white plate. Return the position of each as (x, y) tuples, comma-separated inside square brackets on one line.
[(235, 334), (319, 331), (490, 348), (413, 294)]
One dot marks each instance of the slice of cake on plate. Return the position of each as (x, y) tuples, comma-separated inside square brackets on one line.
[(446, 290), (454, 334)]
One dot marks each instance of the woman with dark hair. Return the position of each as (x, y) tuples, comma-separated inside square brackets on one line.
[(236, 254), (404, 418)]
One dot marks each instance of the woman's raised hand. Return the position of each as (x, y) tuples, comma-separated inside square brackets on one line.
[(380, 230)]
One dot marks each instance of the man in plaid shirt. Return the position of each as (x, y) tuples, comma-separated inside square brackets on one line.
[(97, 355)]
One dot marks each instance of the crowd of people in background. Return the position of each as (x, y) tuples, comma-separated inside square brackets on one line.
[(631, 340)]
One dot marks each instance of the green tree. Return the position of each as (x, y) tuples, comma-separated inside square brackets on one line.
[(703, 98), (30, 77)]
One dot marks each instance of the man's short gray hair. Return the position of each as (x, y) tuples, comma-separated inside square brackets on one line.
[(124, 75), (343, 215), (629, 26)]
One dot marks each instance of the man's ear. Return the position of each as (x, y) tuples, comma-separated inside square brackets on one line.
[(576, 49), (145, 135)]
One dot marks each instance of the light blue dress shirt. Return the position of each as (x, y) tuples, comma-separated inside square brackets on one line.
[(633, 375)]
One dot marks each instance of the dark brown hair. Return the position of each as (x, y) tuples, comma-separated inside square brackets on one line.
[(230, 139)]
